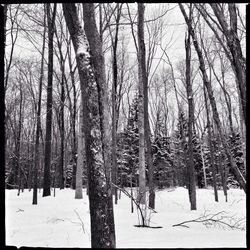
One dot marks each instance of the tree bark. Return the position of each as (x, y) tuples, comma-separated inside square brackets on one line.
[(141, 123), (191, 173), (72, 107), (61, 111), (80, 156), (100, 197), (61, 165), (211, 147), (148, 155), (98, 62), (238, 175), (38, 122), (47, 157), (17, 153), (114, 106)]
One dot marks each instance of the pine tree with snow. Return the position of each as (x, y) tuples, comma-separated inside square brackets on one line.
[(207, 161), (128, 148), (163, 162), (198, 160), (180, 139), (162, 155), (235, 143)]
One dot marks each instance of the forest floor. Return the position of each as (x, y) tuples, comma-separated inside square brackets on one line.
[(63, 221)]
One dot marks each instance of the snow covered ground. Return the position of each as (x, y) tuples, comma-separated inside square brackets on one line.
[(63, 221)]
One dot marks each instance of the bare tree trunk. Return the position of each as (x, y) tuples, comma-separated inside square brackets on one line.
[(238, 175), (38, 123), (148, 146), (19, 141), (114, 105), (141, 123), (191, 173), (61, 111), (96, 144), (211, 147), (72, 107), (98, 61), (203, 166), (223, 175), (80, 156), (47, 158), (149, 160), (61, 164)]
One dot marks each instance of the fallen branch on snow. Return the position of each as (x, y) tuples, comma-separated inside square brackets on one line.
[(217, 220)]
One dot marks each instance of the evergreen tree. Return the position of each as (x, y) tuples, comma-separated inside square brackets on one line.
[(180, 138), (128, 148), (235, 143), (162, 155), (207, 160), (198, 161), (163, 162)]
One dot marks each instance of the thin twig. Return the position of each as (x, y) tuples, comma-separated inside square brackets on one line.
[(82, 224)]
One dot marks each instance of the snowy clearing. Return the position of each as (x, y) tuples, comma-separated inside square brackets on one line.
[(56, 221)]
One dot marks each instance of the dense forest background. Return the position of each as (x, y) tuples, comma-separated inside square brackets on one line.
[(125, 95)]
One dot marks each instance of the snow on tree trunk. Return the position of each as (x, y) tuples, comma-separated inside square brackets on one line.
[(98, 62), (141, 125), (80, 156), (100, 198)]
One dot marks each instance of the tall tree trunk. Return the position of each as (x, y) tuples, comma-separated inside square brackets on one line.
[(141, 124), (191, 173), (19, 141), (72, 107), (61, 111), (99, 67), (149, 158), (98, 61), (38, 122), (47, 157), (238, 175), (114, 106), (61, 164), (149, 154), (211, 147), (80, 156), (100, 197)]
